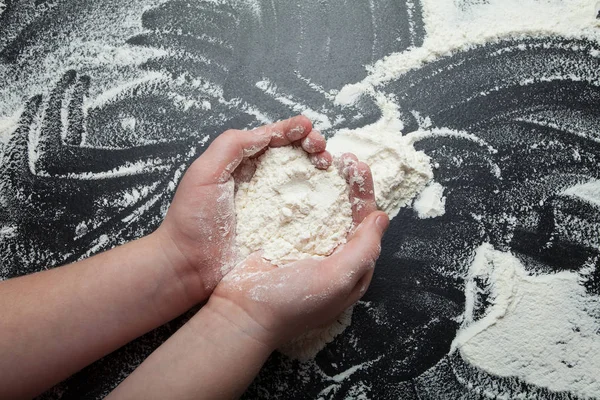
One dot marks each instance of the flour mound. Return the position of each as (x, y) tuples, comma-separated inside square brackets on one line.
[(518, 334), (431, 202), (291, 210)]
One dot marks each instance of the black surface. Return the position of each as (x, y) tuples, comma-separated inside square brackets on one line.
[(408, 318)]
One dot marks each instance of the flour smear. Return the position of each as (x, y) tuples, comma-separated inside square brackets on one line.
[(520, 334)]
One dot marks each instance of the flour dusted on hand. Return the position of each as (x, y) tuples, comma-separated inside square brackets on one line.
[(291, 210)]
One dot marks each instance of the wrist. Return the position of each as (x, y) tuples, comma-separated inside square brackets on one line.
[(236, 319), (179, 267)]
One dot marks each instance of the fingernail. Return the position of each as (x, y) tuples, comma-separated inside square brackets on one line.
[(382, 222)]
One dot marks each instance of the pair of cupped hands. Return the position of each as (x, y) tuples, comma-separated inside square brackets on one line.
[(271, 305)]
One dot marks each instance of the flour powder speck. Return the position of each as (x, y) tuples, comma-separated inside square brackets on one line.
[(431, 202)]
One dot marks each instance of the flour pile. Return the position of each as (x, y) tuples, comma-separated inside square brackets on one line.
[(291, 210), (520, 335), (431, 202)]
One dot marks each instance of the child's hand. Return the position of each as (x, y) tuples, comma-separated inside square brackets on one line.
[(273, 305), (198, 230)]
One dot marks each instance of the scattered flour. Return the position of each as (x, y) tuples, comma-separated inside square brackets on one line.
[(520, 335), (307, 346), (542, 329), (7, 127), (431, 202), (589, 192), (291, 210)]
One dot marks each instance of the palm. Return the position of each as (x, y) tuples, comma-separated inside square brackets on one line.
[(204, 217)]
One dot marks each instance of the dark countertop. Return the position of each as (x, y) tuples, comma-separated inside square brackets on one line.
[(545, 135)]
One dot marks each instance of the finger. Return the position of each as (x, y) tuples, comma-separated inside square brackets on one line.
[(358, 256), (314, 142), (362, 193), (344, 163), (285, 132), (226, 152), (321, 160)]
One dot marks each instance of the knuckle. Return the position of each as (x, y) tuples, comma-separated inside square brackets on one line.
[(228, 135), (227, 138)]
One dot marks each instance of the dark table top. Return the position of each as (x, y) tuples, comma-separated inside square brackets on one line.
[(525, 142)]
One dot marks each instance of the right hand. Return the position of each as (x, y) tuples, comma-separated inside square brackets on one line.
[(273, 305)]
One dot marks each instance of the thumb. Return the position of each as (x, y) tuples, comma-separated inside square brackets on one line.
[(227, 151), (358, 256)]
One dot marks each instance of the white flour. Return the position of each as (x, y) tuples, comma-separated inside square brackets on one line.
[(451, 28), (399, 171), (533, 308), (431, 202), (542, 329), (291, 210)]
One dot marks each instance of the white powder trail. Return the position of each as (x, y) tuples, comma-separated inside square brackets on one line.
[(450, 28), (320, 120), (589, 192)]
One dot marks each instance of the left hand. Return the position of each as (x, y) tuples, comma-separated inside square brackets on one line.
[(198, 231)]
